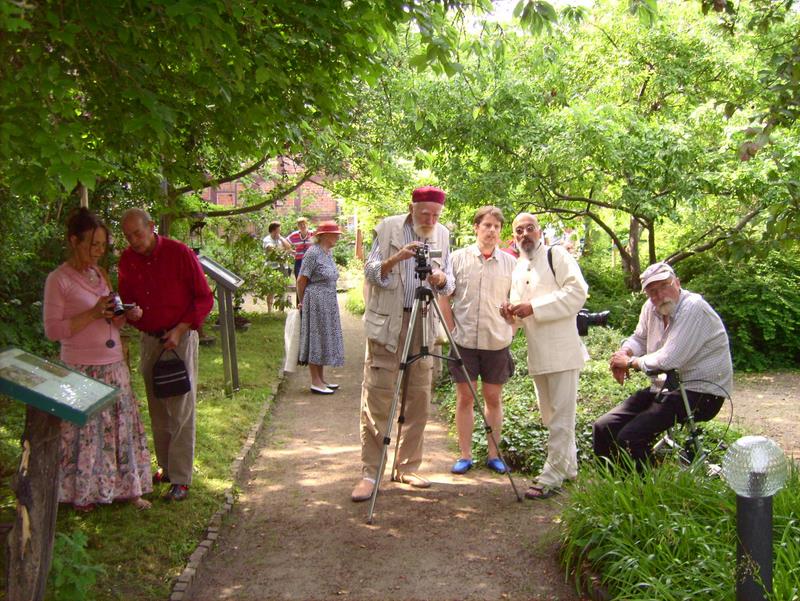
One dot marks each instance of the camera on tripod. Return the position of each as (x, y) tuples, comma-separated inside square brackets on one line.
[(423, 256), (584, 320)]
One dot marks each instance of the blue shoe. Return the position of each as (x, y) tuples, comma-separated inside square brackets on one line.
[(462, 466), (496, 465)]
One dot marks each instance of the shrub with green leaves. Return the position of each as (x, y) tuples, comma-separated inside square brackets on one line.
[(759, 302), (73, 574)]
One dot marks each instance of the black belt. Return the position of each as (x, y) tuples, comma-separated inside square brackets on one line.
[(407, 310), (159, 333)]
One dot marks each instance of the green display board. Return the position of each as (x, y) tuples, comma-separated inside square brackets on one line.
[(51, 387)]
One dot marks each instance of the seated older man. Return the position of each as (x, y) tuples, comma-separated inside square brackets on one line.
[(677, 330)]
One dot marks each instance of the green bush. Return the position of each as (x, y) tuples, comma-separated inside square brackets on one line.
[(73, 574), (32, 248), (669, 534), (238, 249), (607, 292), (759, 302)]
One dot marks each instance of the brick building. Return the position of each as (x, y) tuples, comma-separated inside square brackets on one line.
[(312, 200)]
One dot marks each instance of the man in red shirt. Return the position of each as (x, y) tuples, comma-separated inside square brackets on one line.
[(165, 280)]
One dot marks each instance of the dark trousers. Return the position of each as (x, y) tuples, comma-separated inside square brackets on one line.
[(634, 424)]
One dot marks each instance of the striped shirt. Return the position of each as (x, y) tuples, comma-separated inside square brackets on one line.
[(693, 341), (301, 245), (372, 268)]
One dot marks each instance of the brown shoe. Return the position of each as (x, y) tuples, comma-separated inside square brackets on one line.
[(363, 490), (413, 479)]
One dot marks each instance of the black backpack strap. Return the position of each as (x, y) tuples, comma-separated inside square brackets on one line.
[(550, 261)]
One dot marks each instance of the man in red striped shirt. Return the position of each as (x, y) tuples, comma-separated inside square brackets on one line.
[(166, 281)]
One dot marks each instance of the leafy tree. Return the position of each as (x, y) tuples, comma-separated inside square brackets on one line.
[(604, 119)]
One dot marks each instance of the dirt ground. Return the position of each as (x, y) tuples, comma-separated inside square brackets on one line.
[(294, 533), (768, 404)]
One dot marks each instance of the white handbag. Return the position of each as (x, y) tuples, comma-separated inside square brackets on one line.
[(291, 339)]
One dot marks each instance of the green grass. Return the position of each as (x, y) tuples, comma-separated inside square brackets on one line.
[(143, 552), (670, 534)]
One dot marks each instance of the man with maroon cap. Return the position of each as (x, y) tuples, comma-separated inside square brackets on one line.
[(677, 330), (166, 281), (391, 281)]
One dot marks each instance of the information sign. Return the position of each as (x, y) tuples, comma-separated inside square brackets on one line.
[(51, 387)]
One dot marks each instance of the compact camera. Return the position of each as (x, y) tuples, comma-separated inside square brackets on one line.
[(117, 306), (584, 320), (423, 256)]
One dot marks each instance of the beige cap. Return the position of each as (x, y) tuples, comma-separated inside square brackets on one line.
[(655, 273)]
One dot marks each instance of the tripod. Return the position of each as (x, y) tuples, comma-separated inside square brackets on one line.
[(423, 300)]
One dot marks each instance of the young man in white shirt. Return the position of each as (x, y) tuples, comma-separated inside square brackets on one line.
[(482, 275)]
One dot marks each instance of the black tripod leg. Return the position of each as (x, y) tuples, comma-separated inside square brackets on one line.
[(475, 403)]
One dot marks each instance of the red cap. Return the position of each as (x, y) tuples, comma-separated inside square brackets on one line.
[(327, 227), (428, 194)]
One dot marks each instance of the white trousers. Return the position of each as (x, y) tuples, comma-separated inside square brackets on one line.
[(557, 394)]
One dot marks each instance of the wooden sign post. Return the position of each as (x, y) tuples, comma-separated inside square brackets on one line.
[(52, 393)]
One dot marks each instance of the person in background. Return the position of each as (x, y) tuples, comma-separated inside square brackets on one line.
[(106, 459), (482, 276), (165, 278), (321, 341), (547, 291), (301, 239), (389, 272), (678, 330), (276, 241)]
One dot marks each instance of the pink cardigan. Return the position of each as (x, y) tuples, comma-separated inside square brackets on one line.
[(66, 294)]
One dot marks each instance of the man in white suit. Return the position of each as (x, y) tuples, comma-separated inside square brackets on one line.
[(547, 291)]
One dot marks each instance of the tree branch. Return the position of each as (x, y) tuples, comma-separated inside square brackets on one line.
[(224, 180), (272, 196), (685, 254)]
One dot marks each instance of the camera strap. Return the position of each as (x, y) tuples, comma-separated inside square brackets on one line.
[(550, 263)]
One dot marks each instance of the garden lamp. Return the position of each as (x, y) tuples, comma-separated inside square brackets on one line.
[(755, 468)]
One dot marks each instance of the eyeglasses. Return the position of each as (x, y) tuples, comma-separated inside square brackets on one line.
[(528, 228)]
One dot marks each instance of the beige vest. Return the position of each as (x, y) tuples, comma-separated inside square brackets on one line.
[(383, 316)]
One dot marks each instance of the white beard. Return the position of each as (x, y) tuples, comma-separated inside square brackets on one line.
[(424, 232), (667, 308)]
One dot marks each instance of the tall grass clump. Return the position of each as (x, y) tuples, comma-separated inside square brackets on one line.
[(669, 534)]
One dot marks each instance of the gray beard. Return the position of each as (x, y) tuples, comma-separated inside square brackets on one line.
[(529, 251), (666, 309)]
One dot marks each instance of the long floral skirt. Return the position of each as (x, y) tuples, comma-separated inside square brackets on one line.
[(107, 459)]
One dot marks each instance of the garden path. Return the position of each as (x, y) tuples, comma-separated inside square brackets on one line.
[(294, 533)]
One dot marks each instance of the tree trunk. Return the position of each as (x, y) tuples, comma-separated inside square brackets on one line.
[(651, 243), (30, 542), (630, 264)]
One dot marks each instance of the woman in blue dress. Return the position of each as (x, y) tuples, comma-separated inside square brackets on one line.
[(321, 340)]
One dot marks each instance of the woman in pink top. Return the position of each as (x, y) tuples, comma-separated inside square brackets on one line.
[(107, 459)]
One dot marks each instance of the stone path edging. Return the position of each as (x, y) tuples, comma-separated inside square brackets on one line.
[(182, 587)]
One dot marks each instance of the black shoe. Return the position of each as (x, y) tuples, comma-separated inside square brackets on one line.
[(177, 492), (160, 477)]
